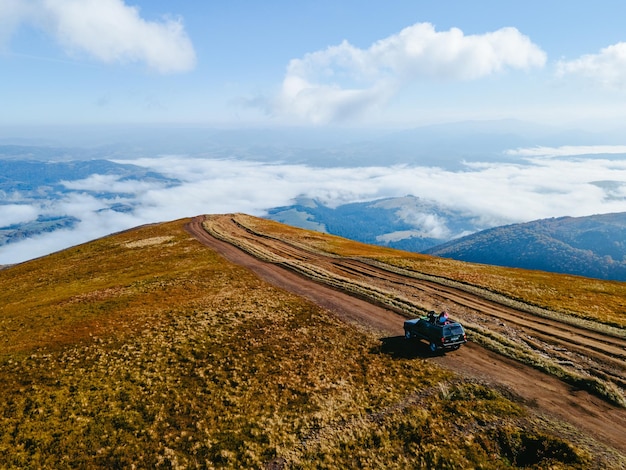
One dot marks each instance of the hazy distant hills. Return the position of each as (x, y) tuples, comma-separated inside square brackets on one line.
[(35, 183), (30, 174), (593, 246), (406, 223), (18, 232), (445, 145)]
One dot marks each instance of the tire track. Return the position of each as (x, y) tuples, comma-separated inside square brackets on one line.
[(607, 350), (543, 393)]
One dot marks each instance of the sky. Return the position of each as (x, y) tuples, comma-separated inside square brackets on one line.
[(317, 63)]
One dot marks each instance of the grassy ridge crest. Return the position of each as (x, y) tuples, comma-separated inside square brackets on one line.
[(147, 349), (585, 298), (602, 386)]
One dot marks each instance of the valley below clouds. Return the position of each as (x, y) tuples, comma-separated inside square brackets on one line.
[(517, 189)]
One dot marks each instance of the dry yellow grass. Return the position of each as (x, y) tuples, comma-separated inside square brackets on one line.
[(165, 355), (277, 243)]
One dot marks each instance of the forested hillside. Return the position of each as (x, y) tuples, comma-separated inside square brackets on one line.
[(593, 246), (406, 223)]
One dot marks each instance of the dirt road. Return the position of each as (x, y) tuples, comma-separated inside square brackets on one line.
[(543, 394)]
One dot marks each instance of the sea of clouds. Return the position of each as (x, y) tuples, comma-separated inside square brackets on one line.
[(557, 183)]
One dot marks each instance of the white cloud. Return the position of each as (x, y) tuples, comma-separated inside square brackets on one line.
[(11, 14), (607, 67), (108, 30), (431, 225), (420, 51), (399, 235), (16, 214), (94, 224), (343, 80), (498, 193), (325, 103), (494, 193), (567, 150), (110, 183)]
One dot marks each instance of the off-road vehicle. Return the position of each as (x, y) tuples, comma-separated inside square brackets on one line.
[(440, 335)]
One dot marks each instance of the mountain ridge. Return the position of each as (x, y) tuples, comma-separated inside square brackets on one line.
[(148, 348), (591, 246)]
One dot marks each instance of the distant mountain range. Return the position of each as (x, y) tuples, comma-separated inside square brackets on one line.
[(17, 232), (34, 172), (593, 246), (32, 175), (446, 145), (35, 183)]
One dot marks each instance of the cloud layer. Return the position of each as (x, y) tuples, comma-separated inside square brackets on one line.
[(107, 30), (606, 68), (495, 193), (343, 80), (568, 151)]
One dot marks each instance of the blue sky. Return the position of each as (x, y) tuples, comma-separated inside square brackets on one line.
[(374, 65), (348, 63)]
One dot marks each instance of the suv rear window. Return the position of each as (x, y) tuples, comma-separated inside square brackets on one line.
[(453, 330)]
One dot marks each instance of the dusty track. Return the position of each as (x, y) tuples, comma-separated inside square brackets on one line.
[(542, 393)]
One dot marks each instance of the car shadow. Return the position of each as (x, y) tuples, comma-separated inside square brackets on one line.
[(401, 348)]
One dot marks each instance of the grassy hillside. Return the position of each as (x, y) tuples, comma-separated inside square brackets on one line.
[(147, 349), (595, 299)]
